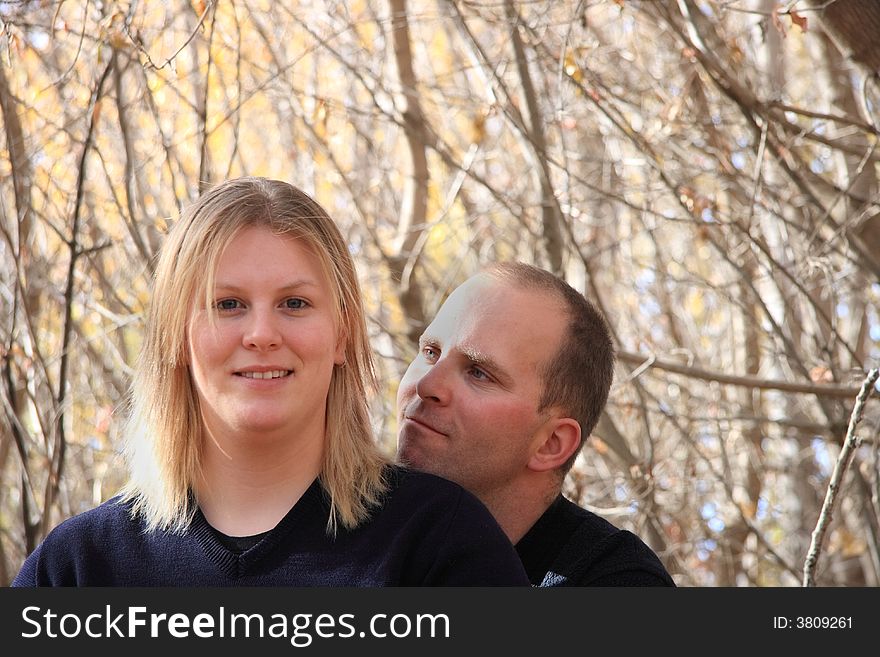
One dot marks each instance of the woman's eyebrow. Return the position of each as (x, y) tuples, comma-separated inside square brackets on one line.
[(305, 282)]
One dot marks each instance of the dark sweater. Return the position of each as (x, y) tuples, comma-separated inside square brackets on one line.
[(570, 546), (428, 532)]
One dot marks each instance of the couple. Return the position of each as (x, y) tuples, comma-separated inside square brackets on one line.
[(249, 445)]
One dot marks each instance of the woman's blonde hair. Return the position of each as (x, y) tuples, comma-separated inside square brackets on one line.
[(165, 434)]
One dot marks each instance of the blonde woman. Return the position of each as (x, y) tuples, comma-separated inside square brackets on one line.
[(251, 457)]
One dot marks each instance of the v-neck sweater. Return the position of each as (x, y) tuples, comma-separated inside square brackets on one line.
[(427, 532)]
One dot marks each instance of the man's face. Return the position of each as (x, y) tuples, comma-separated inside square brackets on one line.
[(468, 404)]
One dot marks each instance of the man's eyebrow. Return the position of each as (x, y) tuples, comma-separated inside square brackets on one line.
[(475, 356), (482, 359)]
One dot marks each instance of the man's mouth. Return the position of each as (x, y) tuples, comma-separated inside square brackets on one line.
[(424, 424)]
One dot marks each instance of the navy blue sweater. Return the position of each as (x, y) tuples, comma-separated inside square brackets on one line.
[(428, 532), (570, 546)]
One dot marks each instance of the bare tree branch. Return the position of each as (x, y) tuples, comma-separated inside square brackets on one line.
[(850, 443), (646, 362), (56, 470)]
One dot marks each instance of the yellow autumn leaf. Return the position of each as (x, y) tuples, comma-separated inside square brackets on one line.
[(572, 69), (695, 304)]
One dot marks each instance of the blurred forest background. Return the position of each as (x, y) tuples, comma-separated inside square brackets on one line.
[(705, 170)]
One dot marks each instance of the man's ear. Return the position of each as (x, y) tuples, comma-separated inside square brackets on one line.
[(561, 439)]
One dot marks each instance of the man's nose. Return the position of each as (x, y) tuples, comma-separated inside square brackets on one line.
[(435, 385)]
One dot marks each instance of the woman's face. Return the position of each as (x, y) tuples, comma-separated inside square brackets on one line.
[(264, 364)]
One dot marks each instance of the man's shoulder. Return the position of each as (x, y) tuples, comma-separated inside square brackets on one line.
[(590, 526), (595, 552)]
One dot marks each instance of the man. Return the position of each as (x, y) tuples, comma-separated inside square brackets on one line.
[(510, 379)]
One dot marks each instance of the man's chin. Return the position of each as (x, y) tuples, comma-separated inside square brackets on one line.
[(414, 458)]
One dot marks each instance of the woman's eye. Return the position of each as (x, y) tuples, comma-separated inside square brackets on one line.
[(227, 304), (295, 304)]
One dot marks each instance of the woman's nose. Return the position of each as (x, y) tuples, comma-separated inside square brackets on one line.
[(262, 331)]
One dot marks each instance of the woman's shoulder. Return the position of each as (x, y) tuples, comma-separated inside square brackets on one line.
[(464, 544), (57, 558), (433, 495), (403, 477), (406, 483), (111, 515)]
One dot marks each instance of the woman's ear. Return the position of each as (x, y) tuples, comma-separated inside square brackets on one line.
[(341, 343), (185, 355), (561, 437)]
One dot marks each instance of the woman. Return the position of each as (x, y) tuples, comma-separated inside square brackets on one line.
[(249, 444)]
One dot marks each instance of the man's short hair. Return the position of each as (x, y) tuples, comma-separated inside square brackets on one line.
[(578, 377)]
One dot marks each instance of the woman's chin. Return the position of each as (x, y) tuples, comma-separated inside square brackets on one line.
[(262, 427)]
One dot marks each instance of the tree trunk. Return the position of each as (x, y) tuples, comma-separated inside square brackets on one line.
[(414, 205), (854, 26)]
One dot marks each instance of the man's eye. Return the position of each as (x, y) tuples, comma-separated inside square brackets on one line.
[(295, 304), (227, 304), (479, 374), (430, 353)]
